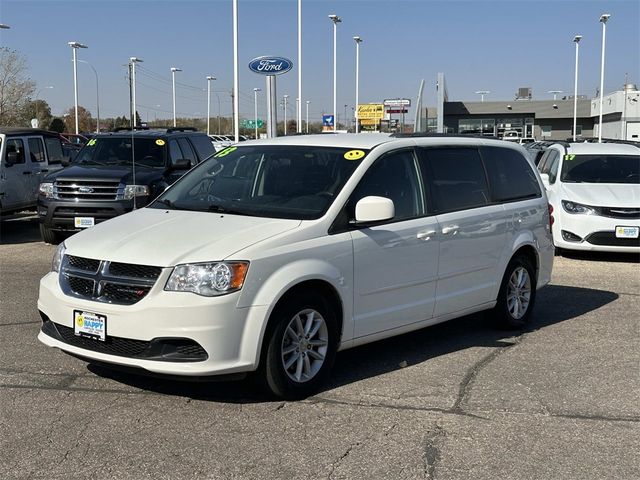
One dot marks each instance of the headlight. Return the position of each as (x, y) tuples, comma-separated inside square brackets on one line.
[(577, 208), (208, 279), (46, 189), (131, 191), (57, 258)]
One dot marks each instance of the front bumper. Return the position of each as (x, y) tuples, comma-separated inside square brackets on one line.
[(592, 233), (230, 336), (60, 215)]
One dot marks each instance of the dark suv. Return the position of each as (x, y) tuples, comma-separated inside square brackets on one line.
[(115, 173)]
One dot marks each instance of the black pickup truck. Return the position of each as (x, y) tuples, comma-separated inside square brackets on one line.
[(115, 173)]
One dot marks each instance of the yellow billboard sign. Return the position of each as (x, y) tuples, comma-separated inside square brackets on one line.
[(369, 121), (371, 111)]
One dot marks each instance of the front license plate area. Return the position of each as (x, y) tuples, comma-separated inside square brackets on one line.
[(90, 325), (84, 222), (627, 232)]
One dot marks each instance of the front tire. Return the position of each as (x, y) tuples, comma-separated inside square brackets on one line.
[(300, 347), (517, 294), (49, 236)]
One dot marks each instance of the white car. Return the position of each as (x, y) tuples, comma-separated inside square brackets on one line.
[(274, 254), (594, 189)]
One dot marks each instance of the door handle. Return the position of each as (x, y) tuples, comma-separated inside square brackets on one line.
[(26, 173), (450, 229), (425, 235)]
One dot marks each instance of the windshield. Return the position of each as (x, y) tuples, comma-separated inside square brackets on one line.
[(112, 151), (295, 182), (601, 169)]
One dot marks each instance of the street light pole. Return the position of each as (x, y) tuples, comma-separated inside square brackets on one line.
[(133, 61), (308, 102), (173, 81), (285, 113), (236, 82), (603, 19), (255, 108), (482, 93), (74, 46), (576, 40), (335, 19), (209, 79), (299, 102), (358, 41), (97, 95)]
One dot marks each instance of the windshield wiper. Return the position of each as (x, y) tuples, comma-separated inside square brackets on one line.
[(166, 203), (221, 209)]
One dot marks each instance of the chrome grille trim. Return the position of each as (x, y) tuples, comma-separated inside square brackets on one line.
[(74, 282), (92, 190)]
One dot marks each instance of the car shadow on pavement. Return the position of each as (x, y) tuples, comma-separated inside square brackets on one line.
[(19, 228), (554, 304)]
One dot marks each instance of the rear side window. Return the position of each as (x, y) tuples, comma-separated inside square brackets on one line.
[(36, 150), (203, 145), (455, 177), (510, 175)]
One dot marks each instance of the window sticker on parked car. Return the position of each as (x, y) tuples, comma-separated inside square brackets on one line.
[(354, 155), (569, 157), (91, 142), (160, 142), (225, 152)]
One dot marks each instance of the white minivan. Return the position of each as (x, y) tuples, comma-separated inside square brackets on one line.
[(26, 156), (273, 255)]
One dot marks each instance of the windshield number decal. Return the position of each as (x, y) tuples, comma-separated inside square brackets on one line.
[(160, 142), (91, 142), (354, 155), (225, 152), (569, 157)]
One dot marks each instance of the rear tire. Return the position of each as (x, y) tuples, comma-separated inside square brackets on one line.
[(299, 348), (49, 236), (517, 294)]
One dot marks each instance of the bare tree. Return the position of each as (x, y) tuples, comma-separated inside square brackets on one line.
[(15, 89)]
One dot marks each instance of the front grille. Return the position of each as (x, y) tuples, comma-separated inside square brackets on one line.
[(87, 264), (161, 349), (91, 190), (609, 239), (107, 282), (135, 271), (620, 212)]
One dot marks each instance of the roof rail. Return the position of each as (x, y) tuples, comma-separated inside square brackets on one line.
[(137, 127), (608, 140), (445, 135), (181, 129)]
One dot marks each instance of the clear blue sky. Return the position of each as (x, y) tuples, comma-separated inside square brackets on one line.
[(496, 45)]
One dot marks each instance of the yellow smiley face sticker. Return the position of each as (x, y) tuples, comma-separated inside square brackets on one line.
[(225, 152), (80, 320), (160, 142), (354, 155)]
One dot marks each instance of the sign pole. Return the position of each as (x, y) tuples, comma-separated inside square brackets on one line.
[(272, 110)]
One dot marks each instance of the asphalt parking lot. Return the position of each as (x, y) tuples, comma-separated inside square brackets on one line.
[(460, 400)]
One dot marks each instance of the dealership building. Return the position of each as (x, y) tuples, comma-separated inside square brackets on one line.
[(540, 119)]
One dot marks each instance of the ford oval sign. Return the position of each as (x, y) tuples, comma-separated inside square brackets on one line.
[(270, 65)]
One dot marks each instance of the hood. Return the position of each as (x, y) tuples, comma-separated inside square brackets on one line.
[(165, 238), (116, 173), (603, 194)]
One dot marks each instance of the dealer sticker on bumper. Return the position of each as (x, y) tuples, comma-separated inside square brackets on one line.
[(627, 232), (84, 222), (91, 325)]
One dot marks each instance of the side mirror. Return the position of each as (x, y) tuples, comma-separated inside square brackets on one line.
[(545, 179), (11, 159), (371, 210), (180, 164)]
